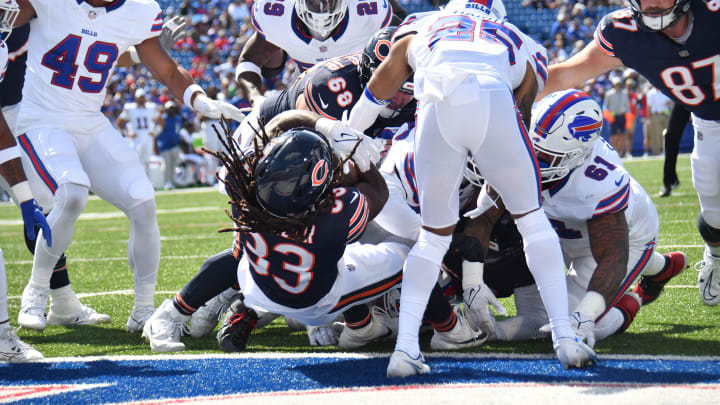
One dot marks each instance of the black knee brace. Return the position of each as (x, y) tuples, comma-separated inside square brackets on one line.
[(708, 233)]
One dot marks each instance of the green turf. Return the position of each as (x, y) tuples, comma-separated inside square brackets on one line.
[(677, 323)]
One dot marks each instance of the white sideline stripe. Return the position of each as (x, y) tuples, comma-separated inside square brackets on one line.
[(343, 355), (104, 293), (93, 216), (111, 259)]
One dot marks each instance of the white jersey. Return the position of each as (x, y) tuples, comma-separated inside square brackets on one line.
[(141, 119), (451, 45), (277, 22), (3, 59), (399, 165), (72, 50), (600, 186)]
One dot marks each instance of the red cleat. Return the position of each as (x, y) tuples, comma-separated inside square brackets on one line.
[(629, 305), (650, 287)]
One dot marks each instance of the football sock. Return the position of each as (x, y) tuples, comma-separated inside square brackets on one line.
[(3, 292), (439, 312), (656, 264), (60, 277), (357, 317), (144, 250)]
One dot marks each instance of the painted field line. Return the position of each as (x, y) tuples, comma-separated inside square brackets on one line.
[(94, 216), (111, 259), (104, 293)]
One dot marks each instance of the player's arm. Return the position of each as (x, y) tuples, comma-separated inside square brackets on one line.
[(372, 184), (572, 73), (525, 94), (489, 209), (609, 244), (27, 13), (256, 55), (384, 83)]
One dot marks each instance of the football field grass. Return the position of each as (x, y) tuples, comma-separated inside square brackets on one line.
[(678, 323)]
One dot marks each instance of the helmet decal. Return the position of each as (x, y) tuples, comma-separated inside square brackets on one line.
[(382, 49), (320, 173), (583, 127)]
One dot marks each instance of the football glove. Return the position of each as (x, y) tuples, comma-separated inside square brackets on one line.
[(478, 301), (584, 328), (210, 108), (325, 335), (573, 353), (238, 325), (33, 216), (173, 30), (484, 203), (344, 139)]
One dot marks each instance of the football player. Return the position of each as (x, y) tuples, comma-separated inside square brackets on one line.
[(308, 31), (464, 88), (607, 224), (672, 43), (141, 116), (73, 142), (12, 349)]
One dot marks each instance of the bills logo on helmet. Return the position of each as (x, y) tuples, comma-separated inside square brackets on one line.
[(319, 173), (583, 127)]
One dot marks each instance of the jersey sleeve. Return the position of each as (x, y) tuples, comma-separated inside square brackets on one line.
[(617, 201), (354, 211), (611, 28), (538, 61)]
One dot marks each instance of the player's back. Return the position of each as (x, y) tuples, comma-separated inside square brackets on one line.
[(141, 118), (298, 274), (72, 50), (277, 22)]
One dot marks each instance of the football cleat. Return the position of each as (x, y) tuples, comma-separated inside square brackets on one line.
[(165, 327), (138, 316), (380, 327), (650, 287), (32, 307), (85, 316), (14, 350), (238, 325), (461, 336), (573, 353), (708, 278), (629, 305), (206, 318), (403, 365)]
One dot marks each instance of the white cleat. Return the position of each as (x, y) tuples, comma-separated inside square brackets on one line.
[(573, 353), (14, 350), (402, 365), (32, 307), (85, 316), (461, 336), (206, 318), (165, 327), (138, 316), (380, 327), (709, 278)]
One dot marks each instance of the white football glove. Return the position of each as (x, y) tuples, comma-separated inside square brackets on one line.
[(584, 328), (573, 353), (210, 108), (478, 301), (484, 203), (173, 30), (343, 140), (325, 335)]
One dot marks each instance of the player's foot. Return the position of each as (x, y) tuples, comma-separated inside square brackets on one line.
[(165, 327), (666, 191), (650, 287), (236, 328), (14, 350), (629, 305), (573, 353), (380, 327), (138, 316), (206, 318), (460, 336), (84, 316), (709, 278), (32, 307), (403, 365)]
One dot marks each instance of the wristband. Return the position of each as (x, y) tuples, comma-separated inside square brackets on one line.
[(9, 154), (22, 191), (472, 274), (132, 52), (187, 96), (592, 305), (365, 111), (367, 93), (247, 66)]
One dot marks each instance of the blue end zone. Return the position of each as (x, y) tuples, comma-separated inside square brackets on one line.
[(147, 379)]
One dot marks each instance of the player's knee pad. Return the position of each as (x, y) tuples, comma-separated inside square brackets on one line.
[(71, 199), (431, 246), (535, 227), (143, 212), (709, 233)]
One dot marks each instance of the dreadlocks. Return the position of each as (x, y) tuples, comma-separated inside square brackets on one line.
[(240, 185)]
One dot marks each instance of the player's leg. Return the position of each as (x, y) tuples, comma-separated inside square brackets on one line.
[(55, 157), (705, 162), (118, 178)]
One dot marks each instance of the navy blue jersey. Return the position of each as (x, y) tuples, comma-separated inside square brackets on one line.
[(689, 74), (11, 86), (298, 274)]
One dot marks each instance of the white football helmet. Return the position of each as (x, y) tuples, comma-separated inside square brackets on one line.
[(321, 16), (564, 126), (9, 11)]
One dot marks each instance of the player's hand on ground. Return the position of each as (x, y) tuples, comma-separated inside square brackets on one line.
[(478, 301), (573, 353), (583, 327), (325, 335)]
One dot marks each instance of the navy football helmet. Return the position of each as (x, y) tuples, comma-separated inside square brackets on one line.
[(659, 20), (9, 11), (295, 171)]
